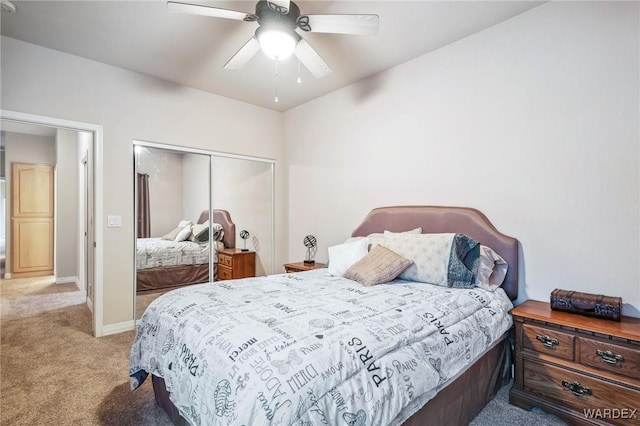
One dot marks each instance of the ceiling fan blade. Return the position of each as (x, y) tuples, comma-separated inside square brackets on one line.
[(243, 55), (280, 6), (311, 60), (339, 24), (215, 12)]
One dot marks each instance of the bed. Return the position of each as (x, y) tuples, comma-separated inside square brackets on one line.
[(325, 369), (162, 264)]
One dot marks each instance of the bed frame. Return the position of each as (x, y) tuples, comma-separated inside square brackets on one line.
[(463, 398), (177, 276)]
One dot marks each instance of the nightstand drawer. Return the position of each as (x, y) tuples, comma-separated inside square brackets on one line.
[(235, 263), (224, 259), (610, 357), (224, 273), (548, 341), (581, 393)]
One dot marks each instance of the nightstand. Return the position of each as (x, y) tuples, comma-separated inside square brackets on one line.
[(234, 263), (301, 266), (585, 370)]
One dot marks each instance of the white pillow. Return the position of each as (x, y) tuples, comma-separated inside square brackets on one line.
[(184, 233), (377, 238), (492, 269), (184, 223), (417, 230), (342, 256)]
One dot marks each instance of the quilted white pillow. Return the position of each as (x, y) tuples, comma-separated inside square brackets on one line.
[(342, 256), (429, 252)]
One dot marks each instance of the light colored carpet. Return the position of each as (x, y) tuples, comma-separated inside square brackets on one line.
[(53, 371), (144, 298), (26, 297)]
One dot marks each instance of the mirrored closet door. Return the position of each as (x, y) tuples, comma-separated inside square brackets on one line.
[(177, 191)]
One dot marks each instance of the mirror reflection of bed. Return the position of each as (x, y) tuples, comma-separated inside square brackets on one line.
[(173, 198), (181, 257)]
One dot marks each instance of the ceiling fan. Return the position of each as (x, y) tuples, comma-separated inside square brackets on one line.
[(276, 34)]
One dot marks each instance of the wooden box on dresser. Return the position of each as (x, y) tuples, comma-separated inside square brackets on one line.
[(234, 263), (584, 370)]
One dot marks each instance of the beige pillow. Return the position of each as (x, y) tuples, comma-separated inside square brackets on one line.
[(171, 236), (379, 266)]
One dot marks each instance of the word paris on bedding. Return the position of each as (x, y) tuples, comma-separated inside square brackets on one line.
[(310, 347), (408, 320)]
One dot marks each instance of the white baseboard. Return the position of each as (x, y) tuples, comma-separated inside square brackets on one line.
[(90, 304), (66, 280), (119, 327), (7, 276)]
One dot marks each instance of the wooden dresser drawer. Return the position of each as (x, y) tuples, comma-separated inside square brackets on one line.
[(548, 341), (583, 393), (224, 259), (235, 263), (588, 373), (610, 357), (224, 273)]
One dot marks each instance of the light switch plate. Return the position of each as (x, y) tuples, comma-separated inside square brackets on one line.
[(114, 221)]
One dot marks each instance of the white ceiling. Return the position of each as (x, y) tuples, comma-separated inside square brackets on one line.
[(191, 50)]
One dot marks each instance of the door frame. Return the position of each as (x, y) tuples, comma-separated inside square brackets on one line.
[(98, 207)]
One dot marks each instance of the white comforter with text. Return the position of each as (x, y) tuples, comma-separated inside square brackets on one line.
[(309, 348), (159, 253)]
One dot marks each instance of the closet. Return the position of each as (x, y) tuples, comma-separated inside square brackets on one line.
[(177, 187)]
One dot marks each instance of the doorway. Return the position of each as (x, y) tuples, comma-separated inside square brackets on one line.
[(86, 174)]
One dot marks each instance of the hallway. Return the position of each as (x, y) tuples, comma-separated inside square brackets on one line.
[(26, 297)]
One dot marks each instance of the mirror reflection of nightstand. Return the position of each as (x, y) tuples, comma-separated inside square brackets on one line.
[(301, 266), (234, 263)]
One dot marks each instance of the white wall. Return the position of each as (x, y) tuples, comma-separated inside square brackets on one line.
[(195, 183), (533, 121), (23, 148), (66, 195), (130, 106), (165, 188), (244, 188)]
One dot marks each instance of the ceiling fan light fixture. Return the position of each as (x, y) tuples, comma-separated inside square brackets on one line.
[(276, 43)]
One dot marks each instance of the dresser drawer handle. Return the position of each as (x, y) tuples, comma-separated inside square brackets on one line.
[(609, 357), (576, 388), (547, 341)]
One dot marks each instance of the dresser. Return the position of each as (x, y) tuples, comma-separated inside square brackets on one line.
[(301, 266), (234, 263), (584, 370)]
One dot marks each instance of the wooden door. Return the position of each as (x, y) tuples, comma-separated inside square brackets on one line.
[(32, 220)]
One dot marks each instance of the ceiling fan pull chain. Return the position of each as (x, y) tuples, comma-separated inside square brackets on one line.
[(276, 98)]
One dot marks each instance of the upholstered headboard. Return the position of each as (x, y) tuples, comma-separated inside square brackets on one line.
[(435, 219), (223, 218)]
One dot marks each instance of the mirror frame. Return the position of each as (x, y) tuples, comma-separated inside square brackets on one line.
[(211, 154)]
